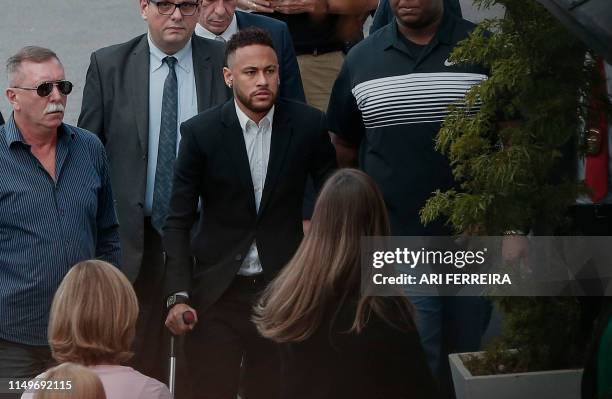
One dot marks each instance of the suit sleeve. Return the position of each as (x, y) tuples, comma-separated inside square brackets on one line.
[(323, 160), (291, 80), (343, 115), (188, 171), (92, 108)]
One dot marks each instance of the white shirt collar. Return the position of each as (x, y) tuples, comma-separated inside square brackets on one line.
[(183, 56), (243, 119), (205, 33)]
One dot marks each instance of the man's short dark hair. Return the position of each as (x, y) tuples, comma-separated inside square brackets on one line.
[(247, 37), (29, 53)]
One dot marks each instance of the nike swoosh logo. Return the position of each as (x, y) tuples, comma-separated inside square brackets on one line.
[(448, 63)]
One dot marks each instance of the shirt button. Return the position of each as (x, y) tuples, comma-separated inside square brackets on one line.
[(238, 257)]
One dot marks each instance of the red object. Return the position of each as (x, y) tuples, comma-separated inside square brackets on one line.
[(596, 174), (188, 317)]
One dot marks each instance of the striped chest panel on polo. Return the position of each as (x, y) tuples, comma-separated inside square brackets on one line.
[(413, 98)]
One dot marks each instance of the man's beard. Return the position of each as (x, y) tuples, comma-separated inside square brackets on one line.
[(247, 101)]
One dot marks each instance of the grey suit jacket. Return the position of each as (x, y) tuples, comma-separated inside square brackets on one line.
[(116, 108)]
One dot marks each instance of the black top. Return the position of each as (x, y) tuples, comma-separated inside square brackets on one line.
[(381, 362), (391, 101), (310, 32)]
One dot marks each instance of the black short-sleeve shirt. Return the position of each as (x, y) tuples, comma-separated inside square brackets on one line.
[(310, 32), (391, 102)]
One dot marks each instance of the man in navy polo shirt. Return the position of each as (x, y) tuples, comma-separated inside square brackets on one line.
[(387, 105)]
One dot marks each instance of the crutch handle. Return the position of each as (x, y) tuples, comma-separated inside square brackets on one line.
[(188, 317)]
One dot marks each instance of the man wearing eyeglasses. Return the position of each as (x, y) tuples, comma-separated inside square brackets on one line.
[(219, 20), (135, 97), (56, 207)]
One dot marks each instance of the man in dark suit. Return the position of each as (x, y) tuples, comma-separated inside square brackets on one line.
[(219, 20), (136, 95), (246, 162)]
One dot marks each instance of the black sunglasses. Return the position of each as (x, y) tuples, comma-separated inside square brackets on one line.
[(45, 88)]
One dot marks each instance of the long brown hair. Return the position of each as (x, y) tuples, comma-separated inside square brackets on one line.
[(326, 266)]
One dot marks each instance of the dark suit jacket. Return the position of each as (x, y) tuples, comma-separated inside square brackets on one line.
[(291, 81), (381, 362), (116, 108), (1, 119), (213, 166)]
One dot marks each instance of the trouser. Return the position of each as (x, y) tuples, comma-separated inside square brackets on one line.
[(450, 324), (590, 220), (224, 339), (151, 344), (22, 361), (319, 73)]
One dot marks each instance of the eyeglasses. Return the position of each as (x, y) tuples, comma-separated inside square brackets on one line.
[(187, 9), (45, 88)]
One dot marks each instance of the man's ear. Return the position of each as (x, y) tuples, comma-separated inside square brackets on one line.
[(227, 76), (11, 95), (144, 5)]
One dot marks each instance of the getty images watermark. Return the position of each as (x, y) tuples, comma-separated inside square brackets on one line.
[(458, 259), (468, 266)]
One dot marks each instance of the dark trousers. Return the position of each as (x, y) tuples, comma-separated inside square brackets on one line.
[(22, 361), (151, 345), (223, 340), (590, 220)]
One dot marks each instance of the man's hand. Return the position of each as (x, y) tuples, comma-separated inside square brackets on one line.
[(175, 322), (514, 248), (299, 6), (255, 5)]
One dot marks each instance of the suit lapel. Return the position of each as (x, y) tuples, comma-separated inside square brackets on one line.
[(281, 137), (138, 72), (234, 144), (202, 69)]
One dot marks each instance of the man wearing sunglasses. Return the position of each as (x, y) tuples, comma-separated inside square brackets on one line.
[(135, 97), (56, 206)]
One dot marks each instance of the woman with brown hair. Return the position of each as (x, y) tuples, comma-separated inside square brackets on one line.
[(93, 322), (336, 342)]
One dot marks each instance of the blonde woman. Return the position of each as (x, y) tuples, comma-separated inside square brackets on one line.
[(92, 323), (79, 383), (335, 342)]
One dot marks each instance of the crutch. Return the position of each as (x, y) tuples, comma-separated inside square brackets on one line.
[(188, 318)]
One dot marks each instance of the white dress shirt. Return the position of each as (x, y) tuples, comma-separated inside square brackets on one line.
[(187, 103), (257, 139), (205, 33)]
